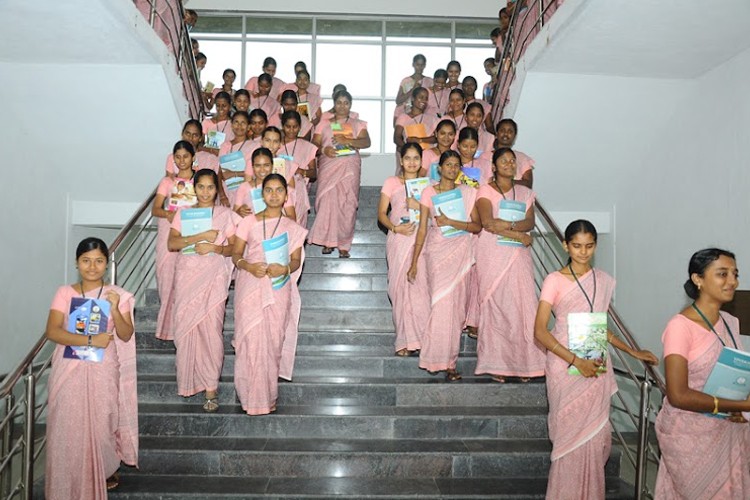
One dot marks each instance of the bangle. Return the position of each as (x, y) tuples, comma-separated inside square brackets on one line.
[(89, 339), (716, 406), (573, 361), (237, 264), (554, 348), (288, 270)]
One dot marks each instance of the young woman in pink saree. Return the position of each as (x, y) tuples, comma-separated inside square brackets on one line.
[(92, 420), (449, 256), (445, 135), (192, 133), (201, 288), (702, 457), (262, 167), (183, 154), (301, 163), (578, 404), (337, 196), (507, 130), (505, 272), (267, 302), (410, 301)]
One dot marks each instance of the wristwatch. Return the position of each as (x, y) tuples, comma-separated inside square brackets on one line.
[(513, 226)]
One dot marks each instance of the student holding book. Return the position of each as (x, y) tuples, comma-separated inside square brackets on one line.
[(579, 388), (201, 238), (249, 199), (308, 95), (263, 99), (92, 417), (269, 68), (437, 102), (479, 169), (272, 140), (505, 272), (507, 130), (474, 119), (164, 210), (234, 156), (703, 456), (445, 135), (268, 253), (219, 123), (448, 220), (411, 301), (339, 140), (417, 79), (469, 86), (300, 157), (228, 77), (192, 132), (415, 126), (289, 103)]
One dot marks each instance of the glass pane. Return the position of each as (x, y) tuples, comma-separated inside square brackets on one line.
[(472, 64), (217, 25), (390, 147), (286, 55), (278, 26), (348, 28), (477, 32), (221, 55), (368, 111), (337, 63), (418, 31), (398, 59)]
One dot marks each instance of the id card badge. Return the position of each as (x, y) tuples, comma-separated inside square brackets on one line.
[(587, 338), (286, 157)]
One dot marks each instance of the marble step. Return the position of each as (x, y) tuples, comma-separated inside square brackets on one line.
[(358, 251), (366, 219), (137, 485), (368, 391), (344, 422), (322, 282), (159, 362)]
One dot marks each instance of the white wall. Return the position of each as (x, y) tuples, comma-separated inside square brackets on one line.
[(667, 155)]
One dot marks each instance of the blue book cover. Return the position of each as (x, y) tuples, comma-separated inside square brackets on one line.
[(214, 139), (234, 162), (87, 316), (434, 173), (730, 376), (277, 252), (256, 200), (511, 211), (469, 176), (414, 188), (451, 203), (195, 221)]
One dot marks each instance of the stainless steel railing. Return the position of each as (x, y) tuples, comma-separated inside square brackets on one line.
[(635, 403), (23, 391)]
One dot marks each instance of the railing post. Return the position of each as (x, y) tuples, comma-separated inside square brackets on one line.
[(7, 475), (541, 14), (27, 465), (643, 424), (113, 268), (152, 13)]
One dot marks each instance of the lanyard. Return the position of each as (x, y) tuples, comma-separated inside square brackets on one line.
[(293, 148), (589, 300), (80, 283), (710, 326), (231, 147), (274, 229), (513, 184)]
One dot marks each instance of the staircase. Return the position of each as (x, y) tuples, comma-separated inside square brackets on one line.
[(356, 422)]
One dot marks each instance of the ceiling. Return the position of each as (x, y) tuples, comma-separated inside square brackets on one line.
[(648, 38)]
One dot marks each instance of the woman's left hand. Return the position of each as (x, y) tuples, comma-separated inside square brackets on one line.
[(276, 270), (441, 219), (329, 151), (646, 356), (204, 248), (736, 417), (113, 298)]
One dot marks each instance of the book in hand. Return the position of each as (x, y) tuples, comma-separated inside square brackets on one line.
[(194, 221), (434, 172), (342, 132), (730, 377), (279, 166), (511, 211), (587, 338), (417, 130), (414, 188), (303, 108), (182, 195), (234, 162), (469, 176), (88, 316), (451, 204), (276, 251), (209, 87), (214, 139), (256, 200)]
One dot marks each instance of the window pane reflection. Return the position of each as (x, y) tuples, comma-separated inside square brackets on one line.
[(356, 66)]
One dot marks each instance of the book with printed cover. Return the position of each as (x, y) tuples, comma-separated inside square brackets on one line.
[(182, 195), (587, 338), (730, 377), (279, 166), (214, 139), (195, 221), (303, 108), (511, 211), (451, 204), (256, 200), (209, 87), (88, 316), (343, 132), (469, 176), (276, 251), (234, 162), (414, 188), (434, 172)]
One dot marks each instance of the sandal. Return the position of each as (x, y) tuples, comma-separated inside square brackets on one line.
[(498, 378), (525, 380), (211, 404), (472, 332), (404, 353), (113, 481), (327, 250), (452, 376), (344, 254)]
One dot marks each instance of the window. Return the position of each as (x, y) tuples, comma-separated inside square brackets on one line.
[(369, 55)]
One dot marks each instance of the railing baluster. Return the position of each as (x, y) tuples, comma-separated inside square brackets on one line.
[(27, 465), (643, 427), (7, 435)]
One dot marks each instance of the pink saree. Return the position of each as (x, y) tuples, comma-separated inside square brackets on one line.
[(410, 301), (448, 262), (92, 422), (508, 302), (201, 288), (266, 321), (337, 197), (578, 407), (702, 457), (165, 262), (298, 154)]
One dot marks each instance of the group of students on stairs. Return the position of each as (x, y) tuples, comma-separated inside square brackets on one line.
[(233, 206)]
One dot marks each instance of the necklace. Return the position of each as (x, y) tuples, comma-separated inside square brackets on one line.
[(274, 229), (709, 325), (83, 294), (589, 300)]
